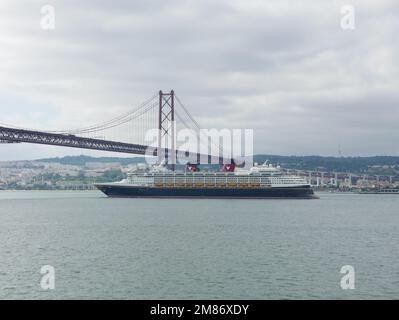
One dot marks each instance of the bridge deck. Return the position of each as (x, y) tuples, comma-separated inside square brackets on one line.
[(11, 135)]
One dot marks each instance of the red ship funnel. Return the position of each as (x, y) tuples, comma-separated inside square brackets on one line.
[(229, 167), (192, 167)]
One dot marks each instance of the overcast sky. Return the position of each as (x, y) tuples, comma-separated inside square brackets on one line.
[(287, 69)]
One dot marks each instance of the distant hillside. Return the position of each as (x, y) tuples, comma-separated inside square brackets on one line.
[(82, 160), (340, 164), (386, 164)]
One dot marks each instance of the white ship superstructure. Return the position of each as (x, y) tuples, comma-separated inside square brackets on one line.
[(264, 176)]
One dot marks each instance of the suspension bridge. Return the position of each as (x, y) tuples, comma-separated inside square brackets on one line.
[(128, 133)]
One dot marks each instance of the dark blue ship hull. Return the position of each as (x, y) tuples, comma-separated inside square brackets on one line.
[(301, 192)]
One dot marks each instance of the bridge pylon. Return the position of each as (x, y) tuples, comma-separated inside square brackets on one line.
[(166, 128)]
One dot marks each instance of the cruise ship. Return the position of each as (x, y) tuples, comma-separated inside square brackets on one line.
[(260, 181)]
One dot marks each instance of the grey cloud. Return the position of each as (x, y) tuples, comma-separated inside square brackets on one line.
[(284, 68)]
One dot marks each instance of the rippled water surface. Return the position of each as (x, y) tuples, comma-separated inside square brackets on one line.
[(188, 249)]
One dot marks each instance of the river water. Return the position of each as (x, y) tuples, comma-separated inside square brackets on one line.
[(103, 248)]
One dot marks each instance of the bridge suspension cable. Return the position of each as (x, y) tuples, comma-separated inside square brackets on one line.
[(125, 133), (128, 116), (197, 128), (138, 111)]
